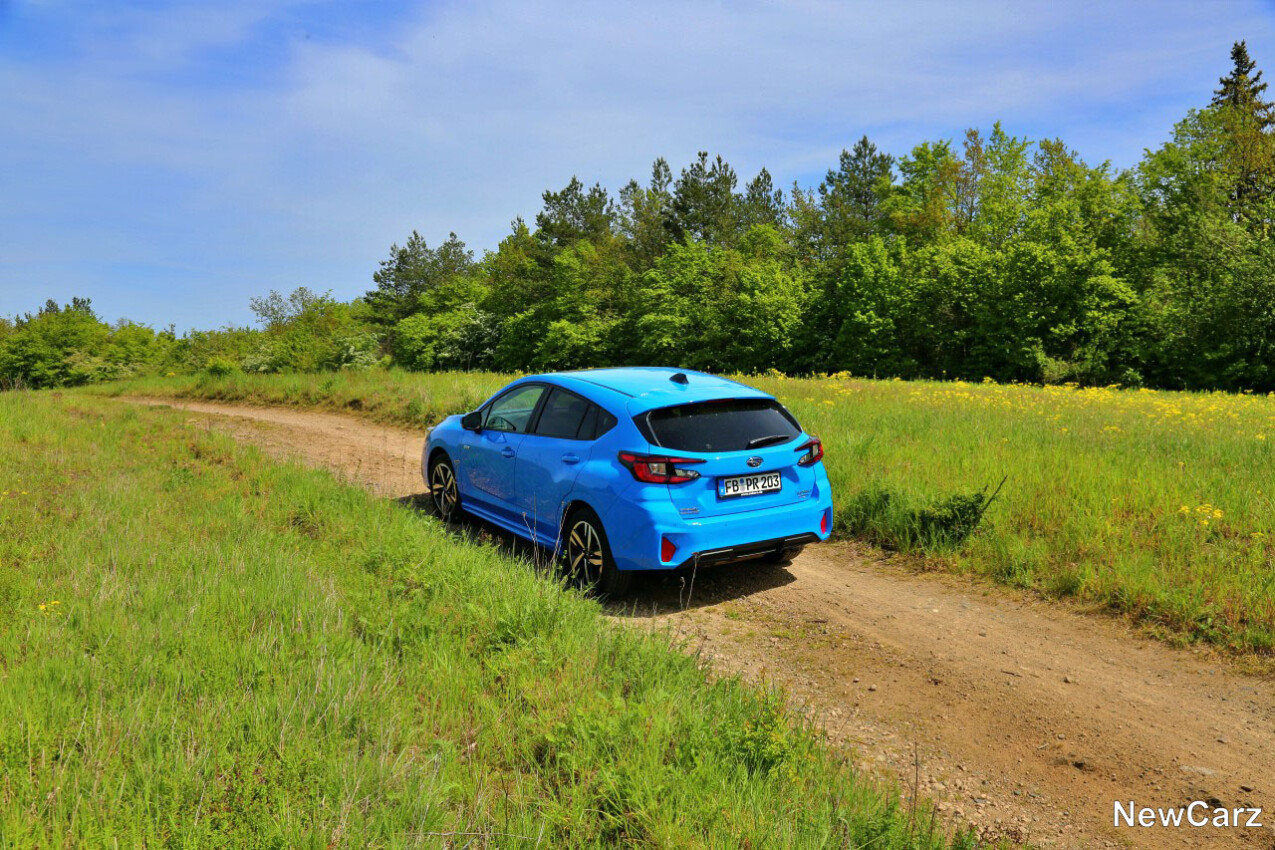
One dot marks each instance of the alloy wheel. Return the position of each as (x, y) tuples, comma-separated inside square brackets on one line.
[(442, 486), (584, 551)]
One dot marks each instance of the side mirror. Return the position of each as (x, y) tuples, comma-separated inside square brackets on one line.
[(472, 421)]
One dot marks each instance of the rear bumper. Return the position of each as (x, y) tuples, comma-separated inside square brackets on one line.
[(637, 527), (744, 551)]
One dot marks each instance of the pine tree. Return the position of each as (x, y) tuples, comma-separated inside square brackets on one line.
[(1242, 88), (411, 271), (849, 198), (645, 215), (762, 202), (1249, 128), (705, 206), (575, 214)]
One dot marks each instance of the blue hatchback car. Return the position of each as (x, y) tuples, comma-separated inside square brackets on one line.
[(620, 470)]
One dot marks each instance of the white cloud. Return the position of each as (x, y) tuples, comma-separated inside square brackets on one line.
[(219, 143)]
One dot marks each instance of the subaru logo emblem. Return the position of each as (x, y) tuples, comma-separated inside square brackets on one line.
[(754, 461)]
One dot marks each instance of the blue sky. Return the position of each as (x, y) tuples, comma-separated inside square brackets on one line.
[(170, 159)]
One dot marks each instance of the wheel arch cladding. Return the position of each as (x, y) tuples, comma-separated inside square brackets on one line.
[(435, 453)]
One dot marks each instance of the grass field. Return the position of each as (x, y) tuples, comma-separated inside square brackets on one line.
[(1154, 504), (201, 647)]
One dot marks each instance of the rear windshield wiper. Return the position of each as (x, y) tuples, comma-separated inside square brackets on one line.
[(768, 440)]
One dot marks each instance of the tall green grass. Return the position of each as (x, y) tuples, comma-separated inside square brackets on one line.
[(1151, 503), (201, 647), (1156, 504)]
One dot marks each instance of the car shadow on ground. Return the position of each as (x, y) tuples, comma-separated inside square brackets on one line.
[(653, 594), (657, 594)]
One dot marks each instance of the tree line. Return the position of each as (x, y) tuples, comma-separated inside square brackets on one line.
[(997, 257)]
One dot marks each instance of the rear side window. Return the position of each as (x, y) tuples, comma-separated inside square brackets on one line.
[(568, 416), (605, 423), (596, 423), (590, 423), (730, 425), (562, 416)]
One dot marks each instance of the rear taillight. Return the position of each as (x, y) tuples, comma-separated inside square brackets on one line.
[(659, 469), (813, 449)]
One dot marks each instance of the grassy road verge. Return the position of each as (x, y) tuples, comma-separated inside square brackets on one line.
[(201, 647)]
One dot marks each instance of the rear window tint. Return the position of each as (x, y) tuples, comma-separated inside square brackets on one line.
[(730, 425), (605, 423), (596, 423), (589, 425), (562, 415)]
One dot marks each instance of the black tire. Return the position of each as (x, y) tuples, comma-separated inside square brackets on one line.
[(587, 555), (443, 490), (783, 556)]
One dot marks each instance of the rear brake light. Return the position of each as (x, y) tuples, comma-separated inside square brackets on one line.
[(659, 469), (813, 449)]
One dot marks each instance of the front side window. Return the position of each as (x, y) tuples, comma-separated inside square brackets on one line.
[(512, 411)]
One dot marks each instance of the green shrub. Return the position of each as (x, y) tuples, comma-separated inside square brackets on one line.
[(221, 367), (889, 520)]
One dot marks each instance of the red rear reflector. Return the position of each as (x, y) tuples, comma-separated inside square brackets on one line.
[(823, 522), (667, 550)]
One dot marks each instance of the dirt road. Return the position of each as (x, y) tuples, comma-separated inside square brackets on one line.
[(1026, 718)]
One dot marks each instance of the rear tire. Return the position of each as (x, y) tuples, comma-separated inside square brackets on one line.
[(443, 489), (587, 556)]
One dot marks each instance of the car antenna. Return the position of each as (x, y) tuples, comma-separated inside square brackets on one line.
[(679, 378)]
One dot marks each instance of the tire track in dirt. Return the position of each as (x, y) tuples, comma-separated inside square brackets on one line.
[(1024, 718)]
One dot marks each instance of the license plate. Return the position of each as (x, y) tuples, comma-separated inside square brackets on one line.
[(748, 485)]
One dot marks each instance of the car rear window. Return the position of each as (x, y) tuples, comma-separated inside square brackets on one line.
[(728, 425)]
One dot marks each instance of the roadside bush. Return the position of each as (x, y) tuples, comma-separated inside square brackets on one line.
[(221, 367), (354, 348), (305, 332), (63, 346), (887, 519)]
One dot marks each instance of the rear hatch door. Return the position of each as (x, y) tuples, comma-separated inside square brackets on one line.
[(747, 451)]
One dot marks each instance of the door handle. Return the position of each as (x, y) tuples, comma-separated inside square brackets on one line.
[(507, 452), (571, 457)]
